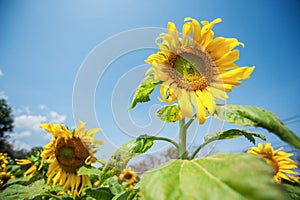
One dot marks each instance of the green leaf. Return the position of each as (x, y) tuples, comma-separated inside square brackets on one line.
[(126, 195), (20, 180), (88, 171), (17, 191), (169, 114), (121, 157), (232, 133), (257, 117), (293, 190), (220, 176), (103, 193), (144, 90)]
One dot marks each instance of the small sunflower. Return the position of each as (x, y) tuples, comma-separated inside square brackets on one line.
[(31, 170), (67, 152), (3, 162), (280, 161), (129, 177), (4, 177), (196, 69)]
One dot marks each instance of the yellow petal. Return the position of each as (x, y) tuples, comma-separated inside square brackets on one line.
[(196, 29), (200, 109), (172, 30), (23, 161), (237, 74), (186, 31), (185, 104)]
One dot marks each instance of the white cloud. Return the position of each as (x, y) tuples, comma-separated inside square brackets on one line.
[(29, 122), (20, 135), (3, 95), (19, 145), (57, 118), (42, 107), (1, 73)]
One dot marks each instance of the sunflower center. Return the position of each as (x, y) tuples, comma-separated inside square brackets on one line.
[(196, 69), (70, 153), (127, 176)]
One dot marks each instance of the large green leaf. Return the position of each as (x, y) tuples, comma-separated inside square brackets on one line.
[(232, 133), (121, 157), (257, 117), (220, 176), (20, 192), (100, 193), (293, 190), (144, 90), (169, 114)]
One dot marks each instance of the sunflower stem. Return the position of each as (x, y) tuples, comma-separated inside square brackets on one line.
[(102, 162), (182, 153), (49, 194), (165, 139), (187, 125), (199, 148)]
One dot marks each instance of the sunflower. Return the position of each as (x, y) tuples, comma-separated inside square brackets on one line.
[(3, 162), (280, 161), (129, 177), (67, 152), (31, 170), (196, 69), (4, 177)]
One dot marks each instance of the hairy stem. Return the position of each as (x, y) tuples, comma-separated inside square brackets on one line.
[(165, 139), (182, 152)]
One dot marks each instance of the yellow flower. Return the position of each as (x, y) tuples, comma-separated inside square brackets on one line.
[(67, 152), (196, 69), (280, 161), (31, 170), (128, 176), (4, 177), (3, 162)]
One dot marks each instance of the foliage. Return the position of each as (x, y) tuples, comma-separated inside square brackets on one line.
[(6, 118)]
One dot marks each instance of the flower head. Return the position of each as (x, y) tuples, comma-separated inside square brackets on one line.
[(196, 69), (129, 177), (31, 170), (3, 162), (280, 161), (67, 152)]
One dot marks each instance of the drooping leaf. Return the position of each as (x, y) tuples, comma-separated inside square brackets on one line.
[(233, 133), (121, 157), (18, 192), (114, 186), (103, 193), (169, 114), (257, 117), (144, 90), (220, 176), (88, 171)]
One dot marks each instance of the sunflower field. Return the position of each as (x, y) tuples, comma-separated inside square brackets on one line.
[(193, 71)]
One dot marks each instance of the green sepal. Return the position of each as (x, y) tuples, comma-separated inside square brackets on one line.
[(220, 176), (257, 117), (232, 133), (169, 114), (143, 91)]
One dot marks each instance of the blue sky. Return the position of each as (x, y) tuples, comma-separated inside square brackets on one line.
[(45, 44)]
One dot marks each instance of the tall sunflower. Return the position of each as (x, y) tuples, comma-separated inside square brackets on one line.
[(196, 69), (280, 161), (67, 152)]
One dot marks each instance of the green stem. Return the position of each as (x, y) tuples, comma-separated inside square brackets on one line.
[(165, 139), (102, 162), (187, 125), (49, 194), (182, 153), (199, 148)]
